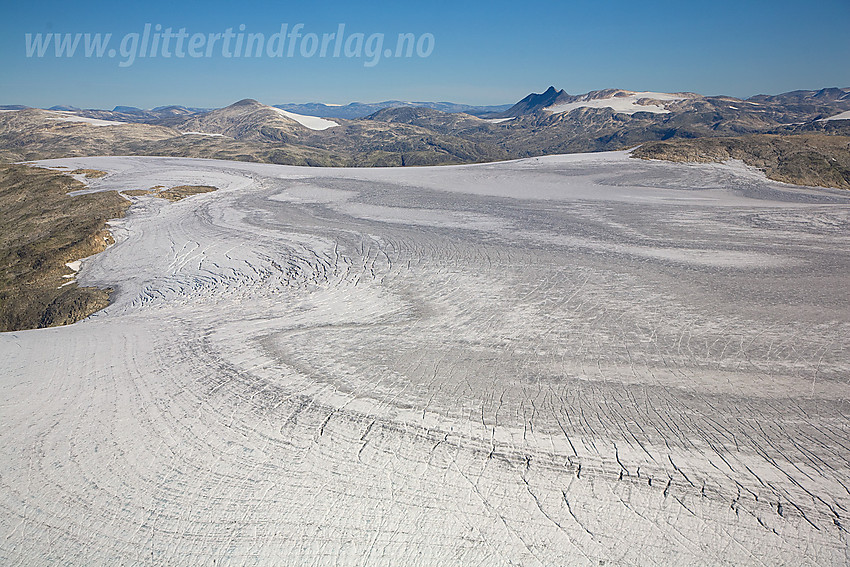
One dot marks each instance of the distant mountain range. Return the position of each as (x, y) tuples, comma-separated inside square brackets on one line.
[(395, 133), (551, 101), (348, 111), (355, 110)]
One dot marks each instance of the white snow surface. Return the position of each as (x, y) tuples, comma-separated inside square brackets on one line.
[(842, 116), (625, 104), (202, 134), (66, 116), (569, 360), (311, 122)]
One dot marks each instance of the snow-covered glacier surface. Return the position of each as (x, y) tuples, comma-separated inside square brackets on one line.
[(574, 360)]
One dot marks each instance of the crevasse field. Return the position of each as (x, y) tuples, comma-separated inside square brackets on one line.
[(572, 360)]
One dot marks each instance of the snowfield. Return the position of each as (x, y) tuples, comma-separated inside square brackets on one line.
[(842, 116), (192, 132), (571, 360), (311, 122), (625, 104), (65, 116)]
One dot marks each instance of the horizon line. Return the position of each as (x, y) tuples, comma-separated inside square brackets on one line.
[(333, 104)]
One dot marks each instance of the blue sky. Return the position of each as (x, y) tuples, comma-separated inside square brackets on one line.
[(484, 52)]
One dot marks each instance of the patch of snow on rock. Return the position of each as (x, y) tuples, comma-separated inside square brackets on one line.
[(311, 122), (843, 116), (70, 117), (626, 104)]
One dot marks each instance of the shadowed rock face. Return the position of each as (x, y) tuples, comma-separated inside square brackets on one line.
[(534, 103), (556, 361)]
